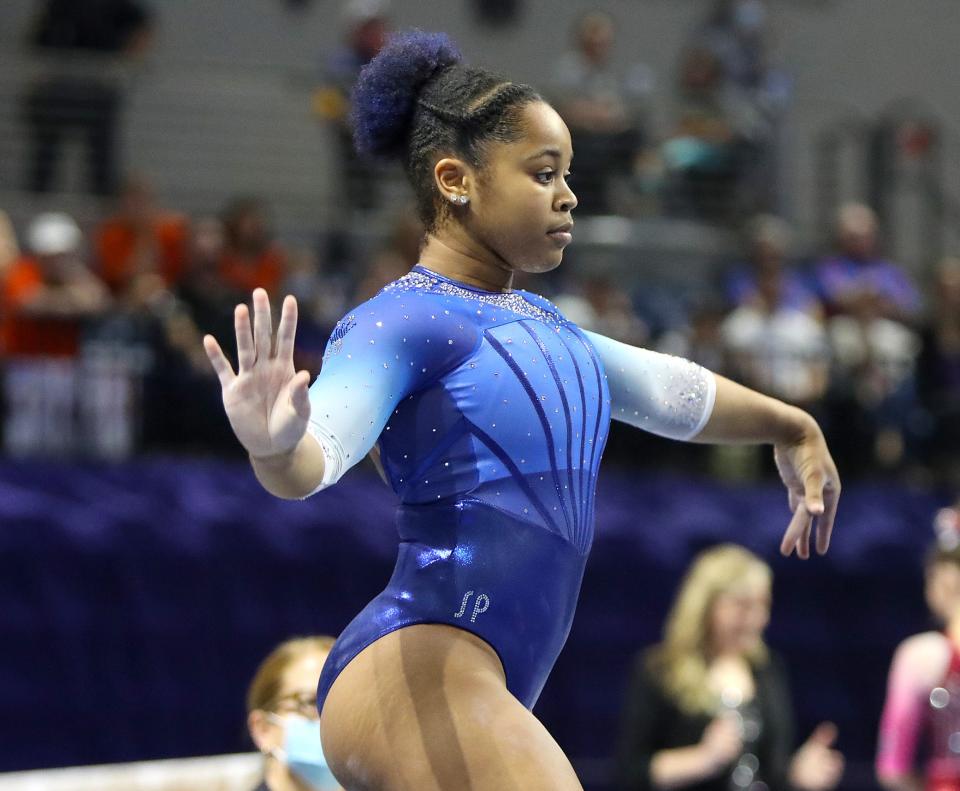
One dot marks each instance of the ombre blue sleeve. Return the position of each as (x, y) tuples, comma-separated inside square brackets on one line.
[(659, 393), (388, 348)]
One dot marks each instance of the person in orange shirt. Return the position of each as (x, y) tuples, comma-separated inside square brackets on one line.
[(44, 296), (141, 249), (251, 258), (44, 300)]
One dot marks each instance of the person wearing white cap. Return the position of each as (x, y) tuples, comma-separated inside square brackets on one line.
[(44, 297), (54, 234)]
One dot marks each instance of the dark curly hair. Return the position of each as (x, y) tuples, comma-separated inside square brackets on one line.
[(416, 101)]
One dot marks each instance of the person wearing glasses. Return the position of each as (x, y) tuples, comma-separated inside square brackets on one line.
[(283, 720)]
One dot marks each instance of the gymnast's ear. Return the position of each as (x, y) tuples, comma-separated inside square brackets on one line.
[(453, 178)]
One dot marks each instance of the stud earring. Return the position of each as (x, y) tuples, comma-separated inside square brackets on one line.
[(461, 200)]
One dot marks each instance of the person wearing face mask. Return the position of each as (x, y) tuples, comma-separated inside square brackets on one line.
[(708, 707), (283, 720)]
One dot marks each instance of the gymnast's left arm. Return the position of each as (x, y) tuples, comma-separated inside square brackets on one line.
[(678, 399)]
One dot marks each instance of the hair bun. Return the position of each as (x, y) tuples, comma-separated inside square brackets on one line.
[(385, 95)]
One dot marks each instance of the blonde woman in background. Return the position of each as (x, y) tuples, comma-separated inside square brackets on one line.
[(708, 707), (283, 720)]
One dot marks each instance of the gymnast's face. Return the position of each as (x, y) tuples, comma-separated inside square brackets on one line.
[(520, 202), (739, 617)]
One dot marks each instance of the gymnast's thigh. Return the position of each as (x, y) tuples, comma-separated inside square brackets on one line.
[(426, 708)]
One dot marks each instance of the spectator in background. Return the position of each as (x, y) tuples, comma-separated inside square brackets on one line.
[(283, 720), (202, 293), (774, 339), (367, 26), (768, 240), (922, 707), (322, 298), (739, 33), (708, 708), (140, 249), (182, 405), (938, 376), (698, 337), (605, 109), (79, 98), (872, 306), (45, 297), (48, 293), (716, 143), (141, 253), (857, 282), (394, 258), (250, 258), (599, 305)]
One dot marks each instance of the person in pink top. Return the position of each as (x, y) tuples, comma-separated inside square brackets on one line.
[(921, 714)]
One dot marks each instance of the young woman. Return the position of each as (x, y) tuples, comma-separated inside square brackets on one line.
[(282, 716), (922, 708), (708, 708), (488, 412)]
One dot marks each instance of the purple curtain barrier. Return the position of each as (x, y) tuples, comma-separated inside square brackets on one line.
[(136, 600)]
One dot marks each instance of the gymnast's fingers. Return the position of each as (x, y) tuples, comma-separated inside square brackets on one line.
[(813, 483), (799, 523), (246, 354), (300, 394), (218, 360), (287, 331), (262, 326), (831, 498), (803, 545)]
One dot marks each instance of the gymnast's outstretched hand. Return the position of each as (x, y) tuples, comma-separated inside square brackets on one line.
[(266, 400), (813, 487)]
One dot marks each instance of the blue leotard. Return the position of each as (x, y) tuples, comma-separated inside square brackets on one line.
[(491, 412)]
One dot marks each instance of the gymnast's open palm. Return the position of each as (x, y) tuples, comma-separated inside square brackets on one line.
[(266, 400)]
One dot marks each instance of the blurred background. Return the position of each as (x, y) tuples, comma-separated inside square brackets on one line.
[(768, 187)]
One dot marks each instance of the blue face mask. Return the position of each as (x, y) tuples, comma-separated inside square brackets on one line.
[(303, 754)]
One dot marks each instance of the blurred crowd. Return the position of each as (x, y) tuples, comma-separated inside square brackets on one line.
[(101, 325), (845, 333), (101, 331)]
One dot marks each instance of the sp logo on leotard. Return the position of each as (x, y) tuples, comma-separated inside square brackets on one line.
[(480, 605)]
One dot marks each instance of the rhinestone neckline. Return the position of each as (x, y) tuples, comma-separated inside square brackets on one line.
[(420, 278)]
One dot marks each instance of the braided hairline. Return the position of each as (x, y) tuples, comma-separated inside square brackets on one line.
[(480, 108), (444, 115)]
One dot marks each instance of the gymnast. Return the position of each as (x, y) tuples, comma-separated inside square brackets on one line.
[(488, 413), (919, 744)]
